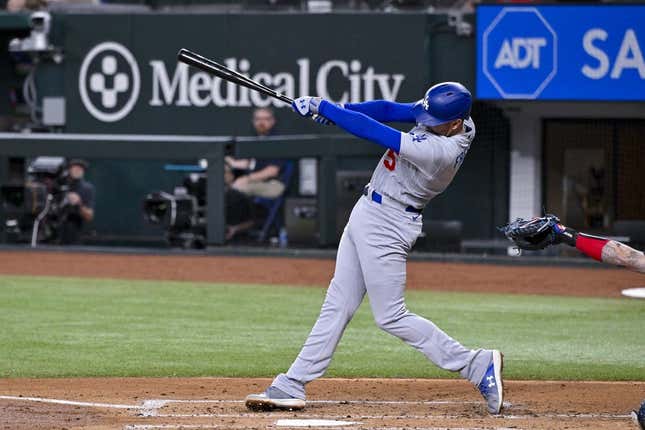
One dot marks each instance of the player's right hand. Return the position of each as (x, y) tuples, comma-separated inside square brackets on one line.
[(306, 106)]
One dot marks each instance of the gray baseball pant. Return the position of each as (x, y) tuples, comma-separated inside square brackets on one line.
[(371, 259)]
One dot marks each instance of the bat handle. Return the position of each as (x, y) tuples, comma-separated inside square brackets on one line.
[(316, 116)]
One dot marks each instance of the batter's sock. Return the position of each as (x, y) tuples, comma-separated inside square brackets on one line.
[(591, 245)]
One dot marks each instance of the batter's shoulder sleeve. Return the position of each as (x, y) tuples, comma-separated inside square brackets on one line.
[(431, 152)]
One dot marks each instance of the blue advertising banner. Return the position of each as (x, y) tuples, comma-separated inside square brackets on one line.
[(561, 52)]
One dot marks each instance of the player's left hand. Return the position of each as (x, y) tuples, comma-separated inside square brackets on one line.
[(306, 106)]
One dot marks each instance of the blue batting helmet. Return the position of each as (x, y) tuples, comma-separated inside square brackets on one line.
[(443, 103)]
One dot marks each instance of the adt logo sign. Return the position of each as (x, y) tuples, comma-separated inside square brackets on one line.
[(519, 51), (109, 81)]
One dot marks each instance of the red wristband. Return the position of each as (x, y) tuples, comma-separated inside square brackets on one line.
[(591, 246)]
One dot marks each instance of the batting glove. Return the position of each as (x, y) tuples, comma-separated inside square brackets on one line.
[(306, 106)]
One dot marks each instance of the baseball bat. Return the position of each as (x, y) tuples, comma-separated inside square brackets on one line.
[(193, 59)]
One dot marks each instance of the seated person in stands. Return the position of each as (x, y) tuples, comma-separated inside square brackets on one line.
[(247, 178), (79, 201), (261, 177)]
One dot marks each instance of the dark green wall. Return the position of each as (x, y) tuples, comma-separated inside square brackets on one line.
[(450, 57), (272, 44), (423, 48), (120, 188)]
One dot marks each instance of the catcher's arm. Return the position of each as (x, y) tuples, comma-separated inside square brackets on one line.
[(540, 232), (622, 255)]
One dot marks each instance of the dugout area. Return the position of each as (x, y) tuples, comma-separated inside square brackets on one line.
[(580, 161)]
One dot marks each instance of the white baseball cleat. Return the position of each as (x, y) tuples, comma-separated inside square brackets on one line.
[(273, 398)]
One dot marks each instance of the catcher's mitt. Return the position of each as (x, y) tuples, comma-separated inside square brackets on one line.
[(533, 234)]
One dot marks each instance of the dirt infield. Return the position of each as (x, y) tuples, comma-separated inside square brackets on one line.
[(208, 403), (312, 272), (216, 403)]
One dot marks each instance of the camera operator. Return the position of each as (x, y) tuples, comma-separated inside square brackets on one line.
[(80, 203)]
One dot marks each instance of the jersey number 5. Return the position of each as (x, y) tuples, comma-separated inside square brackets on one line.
[(390, 160)]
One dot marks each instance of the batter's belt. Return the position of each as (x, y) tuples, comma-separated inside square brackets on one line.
[(378, 198)]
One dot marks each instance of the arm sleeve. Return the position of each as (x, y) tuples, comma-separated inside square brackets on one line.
[(362, 126), (384, 111)]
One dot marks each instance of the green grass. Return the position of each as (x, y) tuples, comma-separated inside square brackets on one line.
[(55, 327)]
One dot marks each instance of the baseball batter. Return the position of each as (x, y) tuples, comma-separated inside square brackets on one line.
[(382, 228)]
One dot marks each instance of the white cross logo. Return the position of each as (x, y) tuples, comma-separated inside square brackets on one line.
[(110, 71), (121, 82)]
